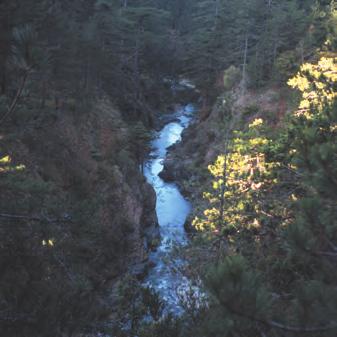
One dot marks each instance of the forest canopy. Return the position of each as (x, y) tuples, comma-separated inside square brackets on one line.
[(84, 87)]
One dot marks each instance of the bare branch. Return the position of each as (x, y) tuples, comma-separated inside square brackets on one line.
[(17, 97), (33, 218)]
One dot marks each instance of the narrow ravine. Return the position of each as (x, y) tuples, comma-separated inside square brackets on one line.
[(172, 210)]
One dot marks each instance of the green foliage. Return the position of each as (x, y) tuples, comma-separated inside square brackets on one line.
[(279, 35), (237, 293), (285, 65), (153, 303), (140, 138), (241, 179), (231, 77), (286, 281), (273, 196), (23, 53), (52, 261), (141, 311), (108, 44), (167, 327)]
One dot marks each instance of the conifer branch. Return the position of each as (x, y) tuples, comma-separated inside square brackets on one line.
[(282, 326)]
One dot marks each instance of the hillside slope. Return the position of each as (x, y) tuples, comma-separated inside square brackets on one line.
[(71, 184)]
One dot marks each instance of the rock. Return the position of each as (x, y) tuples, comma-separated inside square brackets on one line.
[(167, 174), (149, 221), (188, 225), (152, 237), (140, 270)]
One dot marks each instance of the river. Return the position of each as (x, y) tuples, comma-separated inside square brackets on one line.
[(172, 210)]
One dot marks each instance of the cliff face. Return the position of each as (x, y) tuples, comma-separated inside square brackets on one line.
[(92, 179)]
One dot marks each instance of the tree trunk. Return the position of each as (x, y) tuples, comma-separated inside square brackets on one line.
[(17, 97), (275, 51), (43, 93), (136, 75), (3, 81), (244, 67), (216, 13), (302, 51)]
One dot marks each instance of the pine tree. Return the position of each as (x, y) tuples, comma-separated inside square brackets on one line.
[(246, 297)]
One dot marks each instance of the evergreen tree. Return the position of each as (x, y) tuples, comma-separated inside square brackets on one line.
[(302, 249)]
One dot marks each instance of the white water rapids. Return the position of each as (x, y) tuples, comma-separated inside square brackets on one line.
[(172, 210)]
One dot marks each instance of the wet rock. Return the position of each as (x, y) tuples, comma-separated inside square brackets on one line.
[(174, 171), (152, 237), (167, 174), (140, 270)]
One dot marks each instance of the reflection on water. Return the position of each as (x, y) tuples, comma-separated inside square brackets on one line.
[(172, 211)]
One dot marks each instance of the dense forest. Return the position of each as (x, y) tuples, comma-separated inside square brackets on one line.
[(84, 87)]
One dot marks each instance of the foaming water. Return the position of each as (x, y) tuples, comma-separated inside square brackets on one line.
[(172, 210)]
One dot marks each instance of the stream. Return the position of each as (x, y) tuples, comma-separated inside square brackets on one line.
[(172, 210)]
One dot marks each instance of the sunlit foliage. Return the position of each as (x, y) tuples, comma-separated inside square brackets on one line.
[(240, 178), (317, 83), (6, 166), (299, 259)]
